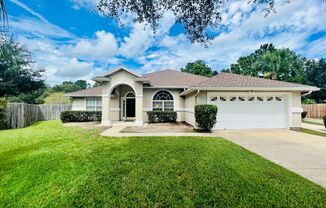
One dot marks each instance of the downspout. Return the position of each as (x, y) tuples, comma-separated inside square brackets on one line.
[(196, 96), (307, 93)]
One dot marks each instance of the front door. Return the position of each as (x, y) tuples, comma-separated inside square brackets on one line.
[(130, 107)]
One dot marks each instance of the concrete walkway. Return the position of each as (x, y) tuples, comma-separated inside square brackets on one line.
[(314, 127), (301, 153), (114, 131)]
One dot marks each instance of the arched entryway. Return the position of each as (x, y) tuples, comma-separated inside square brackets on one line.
[(123, 103)]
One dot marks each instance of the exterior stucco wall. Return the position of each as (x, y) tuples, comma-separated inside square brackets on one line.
[(191, 100), (78, 104), (178, 103), (296, 110)]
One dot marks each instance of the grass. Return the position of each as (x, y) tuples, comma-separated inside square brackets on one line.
[(309, 131), (313, 122), (48, 165)]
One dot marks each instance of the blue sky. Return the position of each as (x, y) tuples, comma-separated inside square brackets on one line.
[(72, 41)]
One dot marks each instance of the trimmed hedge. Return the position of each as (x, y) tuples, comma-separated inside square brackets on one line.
[(205, 116), (304, 114), (324, 121), (80, 116), (162, 116), (3, 108)]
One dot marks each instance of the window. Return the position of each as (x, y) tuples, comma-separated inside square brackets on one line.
[(269, 99), (163, 101), (214, 99), (130, 95), (241, 99), (222, 98), (93, 104), (233, 98), (251, 98)]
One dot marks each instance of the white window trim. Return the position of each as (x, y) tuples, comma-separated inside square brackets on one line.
[(152, 107)]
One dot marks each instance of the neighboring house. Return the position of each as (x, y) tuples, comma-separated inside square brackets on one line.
[(243, 102)]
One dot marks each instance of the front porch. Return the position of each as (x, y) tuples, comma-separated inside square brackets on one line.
[(123, 105)]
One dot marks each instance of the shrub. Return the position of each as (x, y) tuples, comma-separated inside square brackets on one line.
[(80, 116), (57, 98), (324, 121), (205, 116), (3, 108), (304, 114), (309, 101), (162, 116)]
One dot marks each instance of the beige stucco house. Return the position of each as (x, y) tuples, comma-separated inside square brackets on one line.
[(243, 102)]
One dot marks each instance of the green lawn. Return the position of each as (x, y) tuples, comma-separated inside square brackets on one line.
[(48, 165), (319, 123), (309, 131)]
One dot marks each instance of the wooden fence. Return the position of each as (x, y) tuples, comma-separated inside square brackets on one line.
[(315, 110), (20, 115)]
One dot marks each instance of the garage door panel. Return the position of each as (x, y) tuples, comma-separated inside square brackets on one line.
[(250, 115)]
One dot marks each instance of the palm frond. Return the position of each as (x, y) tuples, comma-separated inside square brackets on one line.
[(3, 15)]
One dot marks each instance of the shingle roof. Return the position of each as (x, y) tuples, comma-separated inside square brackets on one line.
[(173, 78), (236, 80), (177, 79), (96, 91)]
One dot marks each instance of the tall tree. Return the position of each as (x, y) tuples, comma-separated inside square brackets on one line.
[(316, 75), (195, 15), (18, 73), (57, 98), (198, 67), (68, 86), (272, 63)]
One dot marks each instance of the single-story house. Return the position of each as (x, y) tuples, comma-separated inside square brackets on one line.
[(243, 102)]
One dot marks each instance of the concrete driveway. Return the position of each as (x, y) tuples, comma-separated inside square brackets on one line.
[(301, 153)]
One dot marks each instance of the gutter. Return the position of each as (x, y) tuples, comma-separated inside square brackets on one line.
[(307, 93), (246, 89)]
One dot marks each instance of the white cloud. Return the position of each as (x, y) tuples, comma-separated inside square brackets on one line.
[(33, 27), (141, 37), (24, 6), (246, 29), (73, 68), (88, 4), (103, 47)]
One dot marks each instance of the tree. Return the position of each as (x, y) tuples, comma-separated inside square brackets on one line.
[(69, 86), (82, 84), (200, 68), (316, 76), (18, 73), (57, 98), (195, 15), (272, 63)]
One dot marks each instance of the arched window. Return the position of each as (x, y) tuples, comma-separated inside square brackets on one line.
[(163, 101), (130, 95)]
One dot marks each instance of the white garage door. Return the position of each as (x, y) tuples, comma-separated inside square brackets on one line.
[(250, 112)]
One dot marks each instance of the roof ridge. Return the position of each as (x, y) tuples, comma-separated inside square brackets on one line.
[(262, 78), (191, 74)]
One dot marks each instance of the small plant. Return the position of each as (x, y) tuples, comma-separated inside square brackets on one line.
[(304, 114), (162, 116), (3, 108), (205, 116), (309, 101), (80, 116)]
